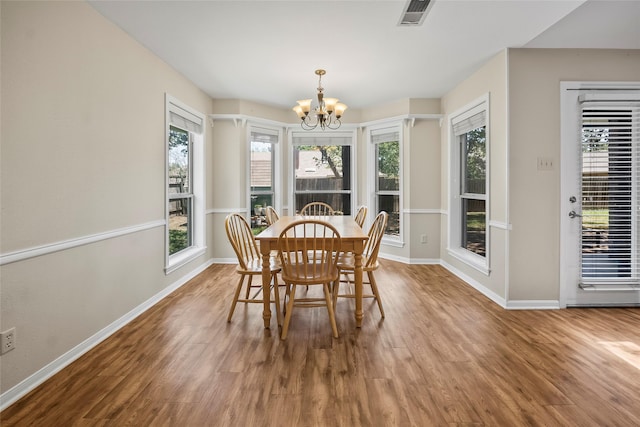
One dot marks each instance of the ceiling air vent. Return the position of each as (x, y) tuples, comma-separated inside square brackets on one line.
[(415, 12)]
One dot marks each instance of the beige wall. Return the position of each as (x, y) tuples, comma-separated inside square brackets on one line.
[(230, 160), (229, 154), (82, 153), (421, 159), (524, 88), (421, 177), (534, 112), (491, 79), (423, 188)]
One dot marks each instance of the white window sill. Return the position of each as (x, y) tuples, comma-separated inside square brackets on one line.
[(181, 258), (472, 260), (390, 241)]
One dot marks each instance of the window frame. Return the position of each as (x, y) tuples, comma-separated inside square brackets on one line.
[(188, 195), (316, 136), (181, 116), (456, 195), (374, 192), (275, 167)]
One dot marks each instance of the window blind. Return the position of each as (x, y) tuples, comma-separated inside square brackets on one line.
[(184, 119), (610, 145), (264, 135), (469, 123), (321, 140), (385, 135)]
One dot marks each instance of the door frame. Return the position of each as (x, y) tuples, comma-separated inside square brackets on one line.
[(570, 229)]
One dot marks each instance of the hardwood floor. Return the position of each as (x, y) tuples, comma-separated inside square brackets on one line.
[(444, 355)]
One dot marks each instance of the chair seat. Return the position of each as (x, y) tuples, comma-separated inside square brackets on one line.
[(348, 262), (309, 274), (254, 266)]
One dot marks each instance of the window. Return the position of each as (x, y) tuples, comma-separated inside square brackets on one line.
[(387, 185), (322, 168), (185, 193), (468, 231), (262, 171)]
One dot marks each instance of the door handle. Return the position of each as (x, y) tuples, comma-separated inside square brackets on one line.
[(573, 214)]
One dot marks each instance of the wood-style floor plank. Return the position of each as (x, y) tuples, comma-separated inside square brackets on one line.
[(444, 356)]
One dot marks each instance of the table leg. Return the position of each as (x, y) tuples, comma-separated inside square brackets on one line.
[(358, 285), (266, 288)]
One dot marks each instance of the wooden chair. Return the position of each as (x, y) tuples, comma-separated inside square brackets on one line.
[(321, 241), (361, 215), (271, 215), (249, 263), (346, 262), (317, 209)]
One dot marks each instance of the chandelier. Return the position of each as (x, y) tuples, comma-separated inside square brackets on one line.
[(327, 113)]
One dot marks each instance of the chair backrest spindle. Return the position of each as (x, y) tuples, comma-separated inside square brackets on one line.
[(361, 215), (376, 232), (317, 209), (242, 240), (308, 249), (271, 215)]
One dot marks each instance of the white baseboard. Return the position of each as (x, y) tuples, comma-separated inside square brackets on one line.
[(425, 261), (533, 305), (405, 260), (224, 260), (394, 258), (509, 305), (25, 386), (476, 285)]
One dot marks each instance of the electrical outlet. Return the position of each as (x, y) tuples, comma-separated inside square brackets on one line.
[(423, 238), (8, 340), (545, 163)]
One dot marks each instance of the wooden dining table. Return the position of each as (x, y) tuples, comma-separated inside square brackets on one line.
[(353, 239)]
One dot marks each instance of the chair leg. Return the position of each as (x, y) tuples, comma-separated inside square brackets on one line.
[(276, 294), (248, 288), (287, 317), (374, 288), (334, 291), (235, 297), (287, 292), (332, 318)]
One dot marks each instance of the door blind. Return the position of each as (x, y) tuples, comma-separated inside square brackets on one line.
[(610, 193)]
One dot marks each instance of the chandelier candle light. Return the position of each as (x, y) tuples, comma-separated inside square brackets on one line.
[(328, 111)]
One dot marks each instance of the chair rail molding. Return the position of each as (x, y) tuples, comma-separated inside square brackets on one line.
[(24, 254)]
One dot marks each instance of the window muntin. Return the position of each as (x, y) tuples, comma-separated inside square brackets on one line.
[(322, 171), (262, 167), (180, 195), (387, 176)]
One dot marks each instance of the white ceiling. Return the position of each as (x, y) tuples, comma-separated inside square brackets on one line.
[(266, 50)]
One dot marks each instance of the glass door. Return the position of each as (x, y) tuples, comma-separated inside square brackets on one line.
[(600, 206)]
